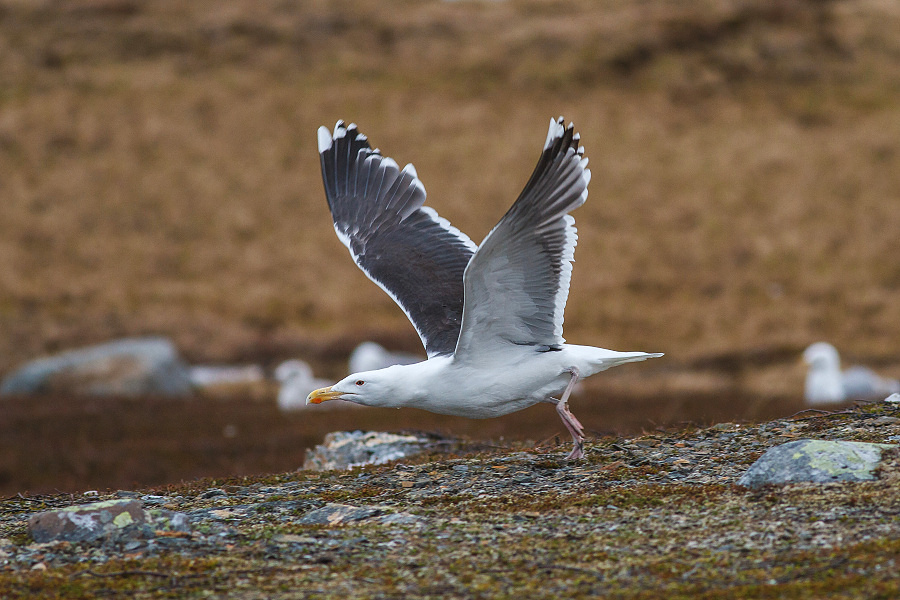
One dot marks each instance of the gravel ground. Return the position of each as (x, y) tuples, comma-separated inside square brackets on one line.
[(659, 514)]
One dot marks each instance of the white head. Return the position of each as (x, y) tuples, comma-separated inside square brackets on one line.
[(383, 387), (823, 380), (822, 355)]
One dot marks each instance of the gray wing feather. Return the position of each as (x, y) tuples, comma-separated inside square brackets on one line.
[(517, 283), (414, 255)]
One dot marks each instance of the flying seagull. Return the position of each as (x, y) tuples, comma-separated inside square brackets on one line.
[(490, 316)]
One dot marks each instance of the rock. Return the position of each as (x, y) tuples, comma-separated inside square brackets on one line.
[(212, 493), (292, 538), (346, 449), (340, 514), (337, 514), (167, 521), (128, 367), (87, 522), (816, 461), (401, 518), (108, 520)]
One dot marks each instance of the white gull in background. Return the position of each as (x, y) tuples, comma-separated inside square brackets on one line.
[(369, 356), (490, 316), (297, 381), (826, 383)]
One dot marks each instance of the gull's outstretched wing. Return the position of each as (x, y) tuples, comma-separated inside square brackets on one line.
[(416, 256), (517, 283)]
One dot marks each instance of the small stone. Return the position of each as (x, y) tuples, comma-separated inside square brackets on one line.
[(401, 518), (167, 521), (290, 538), (885, 421), (816, 461), (155, 500), (133, 545), (213, 493), (406, 484), (338, 514)]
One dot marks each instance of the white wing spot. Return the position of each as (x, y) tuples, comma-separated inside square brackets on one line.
[(325, 141)]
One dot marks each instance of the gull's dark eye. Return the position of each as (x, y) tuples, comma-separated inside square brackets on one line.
[(360, 382)]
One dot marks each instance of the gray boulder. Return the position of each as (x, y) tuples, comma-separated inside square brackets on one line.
[(110, 520), (128, 367), (346, 449), (816, 461), (87, 522), (342, 514)]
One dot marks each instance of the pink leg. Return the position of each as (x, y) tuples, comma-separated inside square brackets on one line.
[(572, 424)]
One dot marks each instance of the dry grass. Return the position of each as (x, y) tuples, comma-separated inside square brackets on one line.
[(158, 169)]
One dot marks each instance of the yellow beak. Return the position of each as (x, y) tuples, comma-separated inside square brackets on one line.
[(321, 395)]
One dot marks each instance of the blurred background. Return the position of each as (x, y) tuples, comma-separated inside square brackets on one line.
[(159, 176)]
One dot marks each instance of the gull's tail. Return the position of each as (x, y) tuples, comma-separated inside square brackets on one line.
[(594, 360)]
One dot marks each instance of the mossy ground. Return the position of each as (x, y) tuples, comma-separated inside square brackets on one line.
[(597, 529)]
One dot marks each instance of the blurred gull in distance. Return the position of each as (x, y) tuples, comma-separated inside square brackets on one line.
[(826, 383), (297, 381), (369, 356)]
